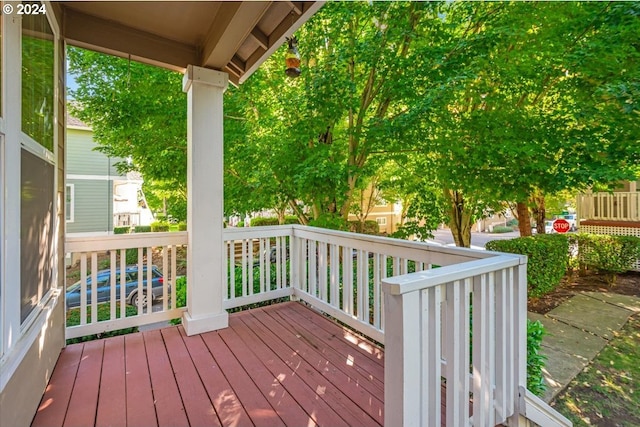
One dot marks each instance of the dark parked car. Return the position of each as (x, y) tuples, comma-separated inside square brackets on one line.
[(104, 287)]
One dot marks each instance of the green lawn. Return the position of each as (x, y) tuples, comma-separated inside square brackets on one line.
[(607, 392)]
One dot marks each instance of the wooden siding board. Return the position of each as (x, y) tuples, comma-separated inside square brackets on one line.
[(225, 400), (82, 159), (93, 206)]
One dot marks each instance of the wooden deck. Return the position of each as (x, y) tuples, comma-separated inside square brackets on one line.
[(283, 365)]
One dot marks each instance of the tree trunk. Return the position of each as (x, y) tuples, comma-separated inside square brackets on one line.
[(540, 213), (524, 220), (459, 219)]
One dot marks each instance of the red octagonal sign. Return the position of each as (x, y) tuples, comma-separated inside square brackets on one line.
[(561, 225)]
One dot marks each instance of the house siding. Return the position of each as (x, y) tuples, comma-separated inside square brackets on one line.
[(93, 206), (82, 159)]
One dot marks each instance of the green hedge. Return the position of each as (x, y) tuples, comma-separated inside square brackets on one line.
[(159, 226), (121, 230), (182, 226), (142, 229), (502, 229), (259, 222), (607, 254), (548, 256), (291, 219)]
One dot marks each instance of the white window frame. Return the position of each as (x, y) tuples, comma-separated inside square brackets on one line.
[(381, 220), (70, 190)]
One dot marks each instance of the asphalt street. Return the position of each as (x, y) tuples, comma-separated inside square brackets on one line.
[(478, 240)]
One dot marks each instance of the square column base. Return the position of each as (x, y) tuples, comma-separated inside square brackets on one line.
[(204, 324)]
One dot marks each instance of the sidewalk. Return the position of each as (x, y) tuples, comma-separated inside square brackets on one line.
[(576, 332)]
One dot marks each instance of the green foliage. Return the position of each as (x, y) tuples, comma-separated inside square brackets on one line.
[(158, 226), (331, 222), (104, 313), (548, 257), (182, 226), (607, 254), (502, 229), (181, 296), (291, 219), (122, 230), (513, 222), (142, 229), (257, 222), (535, 360), (369, 227)]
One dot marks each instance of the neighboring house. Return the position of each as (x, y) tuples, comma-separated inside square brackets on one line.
[(616, 213), (98, 197)]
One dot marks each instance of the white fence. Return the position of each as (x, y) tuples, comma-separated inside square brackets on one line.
[(623, 206), (415, 298)]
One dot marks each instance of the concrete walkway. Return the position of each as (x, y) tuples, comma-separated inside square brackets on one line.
[(576, 332)]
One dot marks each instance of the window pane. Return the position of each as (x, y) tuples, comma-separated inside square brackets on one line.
[(36, 230), (37, 79)]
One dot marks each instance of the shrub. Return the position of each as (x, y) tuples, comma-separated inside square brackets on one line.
[(513, 222), (548, 257), (181, 296), (291, 219), (121, 230), (159, 226), (535, 360), (607, 254), (142, 229), (502, 229), (104, 313), (259, 222), (182, 226), (369, 227), (332, 222)]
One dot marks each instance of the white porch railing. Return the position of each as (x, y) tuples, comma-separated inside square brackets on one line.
[(415, 298), (107, 256), (623, 206)]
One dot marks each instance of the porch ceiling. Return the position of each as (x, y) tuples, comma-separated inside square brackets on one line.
[(235, 37)]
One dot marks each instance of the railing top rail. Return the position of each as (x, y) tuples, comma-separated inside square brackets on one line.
[(239, 233), (399, 285), (381, 244), (124, 241)]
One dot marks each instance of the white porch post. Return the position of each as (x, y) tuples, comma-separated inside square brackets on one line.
[(205, 251)]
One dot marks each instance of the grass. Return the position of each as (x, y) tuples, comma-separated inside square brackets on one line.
[(607, 391)]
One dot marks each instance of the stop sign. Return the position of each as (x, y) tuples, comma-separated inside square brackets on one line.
[(561, 225)]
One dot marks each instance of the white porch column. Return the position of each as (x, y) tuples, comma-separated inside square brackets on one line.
[(205, 251)]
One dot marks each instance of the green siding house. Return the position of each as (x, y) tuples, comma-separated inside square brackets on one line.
[(98, 197)]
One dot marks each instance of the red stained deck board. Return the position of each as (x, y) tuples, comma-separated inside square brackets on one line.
[(359, 368), (256, 405), (168, 402), (370, 351), (139, 398), (55, 400), (278, 396), (112, 402), (354, 404), (224, 398), (84, 398), (196, 401), (291, 378)]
